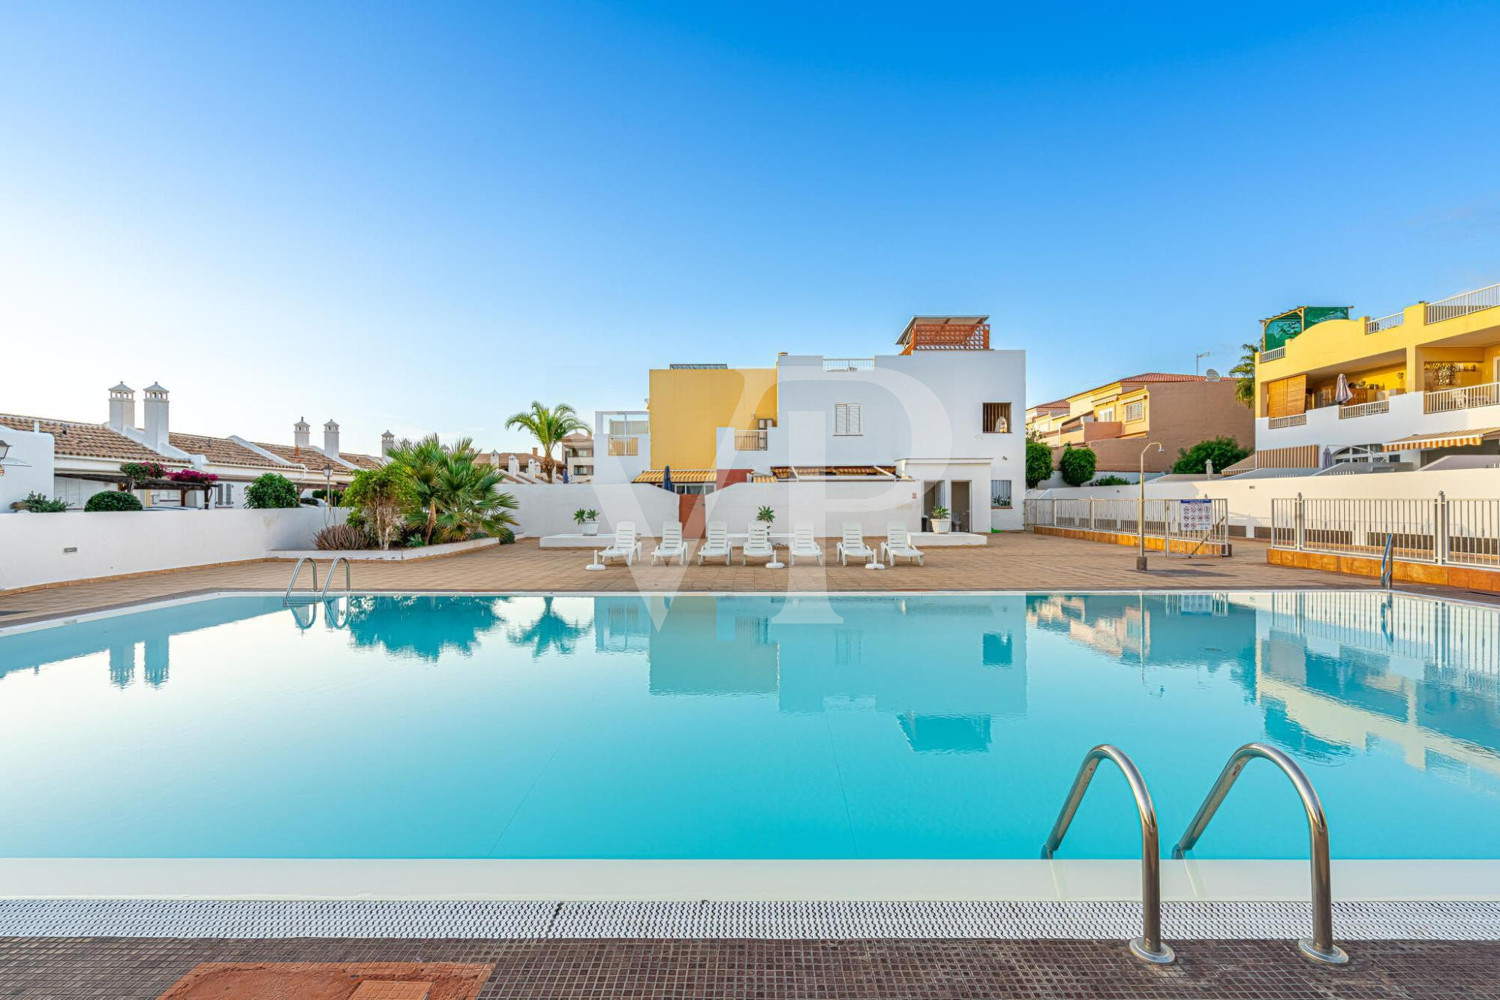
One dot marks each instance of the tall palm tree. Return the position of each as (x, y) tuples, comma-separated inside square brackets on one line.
[(423, 462), (549, 427), (1245, 372)]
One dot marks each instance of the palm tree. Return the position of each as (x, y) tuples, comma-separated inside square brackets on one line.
[(1244, 391), (457, 496), (549, 427)]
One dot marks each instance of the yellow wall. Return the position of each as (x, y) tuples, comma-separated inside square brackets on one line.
[(1334, 345), (687, 406)]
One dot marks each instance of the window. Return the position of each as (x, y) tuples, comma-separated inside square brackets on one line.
[(999, 494), (1106, 415), (997, 418), (848, 420), (1135, 411)]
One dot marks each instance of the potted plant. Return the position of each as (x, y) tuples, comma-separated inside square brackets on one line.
[(941, 522), (766, 515), (588, 521)]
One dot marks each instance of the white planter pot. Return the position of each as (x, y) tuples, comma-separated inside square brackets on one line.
[(590, 528), (942, 525)]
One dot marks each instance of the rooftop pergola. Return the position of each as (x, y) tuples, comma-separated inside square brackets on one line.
[(945, 333)]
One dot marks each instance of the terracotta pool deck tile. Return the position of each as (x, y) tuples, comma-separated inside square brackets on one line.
[(868, 969), (1017, 561)]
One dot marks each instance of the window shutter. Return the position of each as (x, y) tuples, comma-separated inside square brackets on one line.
[(841, 418), (856, 419)]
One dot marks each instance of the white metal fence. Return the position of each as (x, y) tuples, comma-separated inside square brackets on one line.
[(1462, 398), (1440, 531), (1461, 305), (1175, 521), (1385, 322)]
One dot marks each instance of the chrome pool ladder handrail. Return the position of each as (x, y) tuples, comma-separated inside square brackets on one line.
[(1148, 947), (286, 598), (1387, 565), (1320, 948), (328, 581)]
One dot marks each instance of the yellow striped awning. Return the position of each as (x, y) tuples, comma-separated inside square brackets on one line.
[(1453, 439), (654, 476)]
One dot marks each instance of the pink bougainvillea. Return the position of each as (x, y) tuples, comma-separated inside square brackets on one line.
[(192, 476)]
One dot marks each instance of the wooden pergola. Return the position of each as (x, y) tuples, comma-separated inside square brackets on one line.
[(945, 333)]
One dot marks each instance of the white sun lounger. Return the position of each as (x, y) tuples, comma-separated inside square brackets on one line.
[(625, 546), (803, 544), (716, 544), (671, 545), (758, 545), (853, 546), (897, 545)]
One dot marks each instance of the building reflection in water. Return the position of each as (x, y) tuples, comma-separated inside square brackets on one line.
[(943, 669), (1334, 672)]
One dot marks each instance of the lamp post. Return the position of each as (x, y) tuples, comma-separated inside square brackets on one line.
[(1140, 515)]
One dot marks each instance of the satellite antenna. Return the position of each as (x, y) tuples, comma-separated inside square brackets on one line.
[(1212, 375)]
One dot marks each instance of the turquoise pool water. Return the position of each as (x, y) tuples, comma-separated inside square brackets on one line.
[(744, 727)]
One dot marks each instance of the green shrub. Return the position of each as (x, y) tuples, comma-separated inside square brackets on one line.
[(272, 491), (1110, 481), (1222, 451), (38, 503), (337, 537), (112, 500), (765, 515), (1077, 465), (1038, 463)]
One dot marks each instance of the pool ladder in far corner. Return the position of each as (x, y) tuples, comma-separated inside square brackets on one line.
[(1149, 947)]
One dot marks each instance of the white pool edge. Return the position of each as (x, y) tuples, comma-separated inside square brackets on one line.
[(1061, 880)]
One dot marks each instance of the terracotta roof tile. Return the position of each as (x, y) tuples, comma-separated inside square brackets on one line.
[(363, 461), (221, 451), (85, 440), (1163, 377), (309, 458)]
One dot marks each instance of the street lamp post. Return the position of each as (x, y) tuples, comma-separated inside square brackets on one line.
[(1140, 514)]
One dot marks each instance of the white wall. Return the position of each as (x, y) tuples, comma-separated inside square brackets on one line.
[(27, 467), (827, 505), (1250, 499), (548, 509), (109, 544)]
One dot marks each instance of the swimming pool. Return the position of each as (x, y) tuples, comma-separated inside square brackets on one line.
[(729, 727)]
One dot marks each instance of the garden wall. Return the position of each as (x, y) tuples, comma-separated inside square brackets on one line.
[(548, 509), (38, 549), (826, 505)]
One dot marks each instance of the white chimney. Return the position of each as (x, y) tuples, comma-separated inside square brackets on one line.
[(121, 407), (331, 439), (300, 436), (157, 428), (387, 443)]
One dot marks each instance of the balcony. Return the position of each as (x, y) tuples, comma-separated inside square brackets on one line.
[(1295, 420), (1364, 409), (848, 364), (1462, 398), (1461, 305), (750, 440)]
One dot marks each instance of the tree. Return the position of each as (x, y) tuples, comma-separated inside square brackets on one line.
[(272, 491), (422, 462), (1038, 463), (1222, 451), (454, 495), (1244, 389), (1077, 465), (549, 427), (382, 500)]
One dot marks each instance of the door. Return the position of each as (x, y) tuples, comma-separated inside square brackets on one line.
[(960, 505), (690, 513)]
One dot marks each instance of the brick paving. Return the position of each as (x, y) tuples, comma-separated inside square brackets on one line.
[(143, 969), (1016, 561)]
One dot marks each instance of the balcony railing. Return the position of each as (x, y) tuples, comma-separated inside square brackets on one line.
[(1365, 409), (749, 440), (624, 446), (1463, 398), (1275, 354), (1295, 420), (848, 364), (1385, 322), (1461, 305)]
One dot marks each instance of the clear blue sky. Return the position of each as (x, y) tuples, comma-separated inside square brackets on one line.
[(422, 216)]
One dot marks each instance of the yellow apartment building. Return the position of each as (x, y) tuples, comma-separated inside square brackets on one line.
[(1414, 386)]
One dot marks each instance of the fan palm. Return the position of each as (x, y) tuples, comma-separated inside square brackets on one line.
[(549, 427), (1244, 391), (457, 496)]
